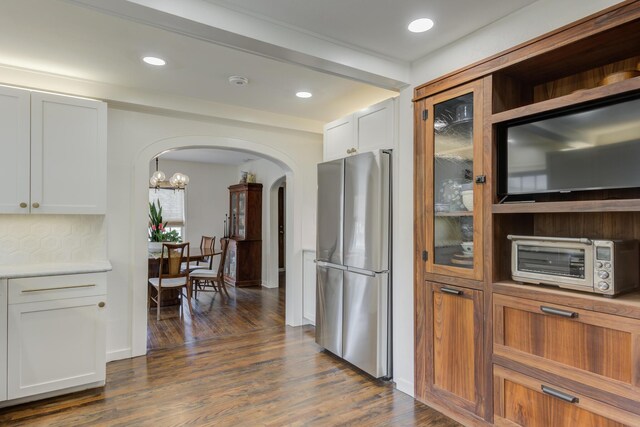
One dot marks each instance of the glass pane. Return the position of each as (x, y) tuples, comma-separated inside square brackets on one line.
[(241, 214), (234, 213), (230, 267), (453, 182)]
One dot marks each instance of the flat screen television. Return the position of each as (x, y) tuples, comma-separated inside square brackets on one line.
[(588, 148)]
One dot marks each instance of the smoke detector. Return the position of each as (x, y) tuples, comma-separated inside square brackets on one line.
[(238, 80)]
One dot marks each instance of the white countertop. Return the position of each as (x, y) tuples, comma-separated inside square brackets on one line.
[(53, 269)]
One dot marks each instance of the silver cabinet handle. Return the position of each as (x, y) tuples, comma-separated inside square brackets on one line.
[(58, 288), (23, 205), (451, 291), (559, 395), (558, 312)]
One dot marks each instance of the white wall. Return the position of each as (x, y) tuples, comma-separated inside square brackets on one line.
[(267, 173), (206, 197), (525, 24), (134, 138)]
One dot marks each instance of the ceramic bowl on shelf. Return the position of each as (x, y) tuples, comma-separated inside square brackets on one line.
[(467, 248), (467, 199)]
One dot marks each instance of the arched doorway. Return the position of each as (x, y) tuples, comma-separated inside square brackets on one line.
[(293, 315)]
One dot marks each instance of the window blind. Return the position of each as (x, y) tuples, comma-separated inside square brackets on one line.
[(172, 203)]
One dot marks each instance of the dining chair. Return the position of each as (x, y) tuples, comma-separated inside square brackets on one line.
[(210, 280), (206, 242), (171, 276)]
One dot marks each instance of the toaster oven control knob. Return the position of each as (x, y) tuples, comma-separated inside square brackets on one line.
[(603, 286), (598, 264), (603, 274), (607, 265)]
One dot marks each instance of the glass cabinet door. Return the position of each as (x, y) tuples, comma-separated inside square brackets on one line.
[(234, 214), (455, 150), (242, 214)]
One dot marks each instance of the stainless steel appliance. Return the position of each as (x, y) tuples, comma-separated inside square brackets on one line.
[(607, 267), (353, 304)]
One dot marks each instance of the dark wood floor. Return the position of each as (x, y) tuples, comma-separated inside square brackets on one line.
[(247, 309), (255, 372)]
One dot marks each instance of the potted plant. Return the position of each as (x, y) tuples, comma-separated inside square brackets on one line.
[(158, 230)]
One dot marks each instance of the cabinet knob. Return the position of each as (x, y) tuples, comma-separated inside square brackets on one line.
[(35, 205), (23, 205), (101, 304)]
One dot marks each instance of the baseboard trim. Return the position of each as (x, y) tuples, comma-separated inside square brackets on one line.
[(124, 353), (307, 321), (404, 386)]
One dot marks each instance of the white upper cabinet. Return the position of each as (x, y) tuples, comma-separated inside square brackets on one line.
[(369, 129), (14, 143), (55, 149)]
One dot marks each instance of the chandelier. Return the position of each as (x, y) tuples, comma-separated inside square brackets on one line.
[(178, 180)]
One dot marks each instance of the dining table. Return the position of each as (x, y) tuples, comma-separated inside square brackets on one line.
[(195, 254)]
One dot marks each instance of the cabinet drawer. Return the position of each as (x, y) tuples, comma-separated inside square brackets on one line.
[(596, 349), (34, 289), (524, 401)]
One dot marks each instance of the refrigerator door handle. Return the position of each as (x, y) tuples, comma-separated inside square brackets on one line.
[(361, 271), (330, 265)]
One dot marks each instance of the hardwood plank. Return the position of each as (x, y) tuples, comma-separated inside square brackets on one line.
[(274, 376)]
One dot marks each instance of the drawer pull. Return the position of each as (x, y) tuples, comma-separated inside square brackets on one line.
[(58, 288), (451, 291), (558, 312), (560, 395), (101, 304)]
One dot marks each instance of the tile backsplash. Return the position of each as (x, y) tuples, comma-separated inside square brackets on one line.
[(31, 239)]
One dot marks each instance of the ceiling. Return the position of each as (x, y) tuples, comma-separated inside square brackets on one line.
[(209, 155), (102, 42), (380, 26)]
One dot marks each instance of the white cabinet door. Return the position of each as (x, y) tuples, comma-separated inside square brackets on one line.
[(68, 155), (3, 339), (56, 344), (339, 138), (375, 126), (14, 146)]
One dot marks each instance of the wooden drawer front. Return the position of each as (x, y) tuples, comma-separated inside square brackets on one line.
[(524, 401), (590, 347), (34, 289)]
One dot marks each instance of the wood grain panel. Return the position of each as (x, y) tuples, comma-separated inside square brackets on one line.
[(595, 349), (453, 345), (531, 408)]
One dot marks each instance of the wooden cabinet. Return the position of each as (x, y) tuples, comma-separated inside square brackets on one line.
[(450, 178), (369, 129), (54, 153), (524, 401), (451, 357), (243, 266), (56, 333), (597, 349)]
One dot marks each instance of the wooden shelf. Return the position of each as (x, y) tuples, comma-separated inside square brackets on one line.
[(456, 213), (570, 100), (626, 305), (618, 205)]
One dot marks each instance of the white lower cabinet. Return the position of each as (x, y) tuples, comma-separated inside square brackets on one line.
[(3, 340), (56, 333)]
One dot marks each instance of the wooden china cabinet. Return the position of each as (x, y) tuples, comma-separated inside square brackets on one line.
[(449, 150), (490, 350), (244, 258)]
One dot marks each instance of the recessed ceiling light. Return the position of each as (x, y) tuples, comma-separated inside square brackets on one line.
[(304, 94), (420, 25), (152, 60)]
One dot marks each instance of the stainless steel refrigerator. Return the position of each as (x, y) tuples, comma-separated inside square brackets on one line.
[(353, 301)]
